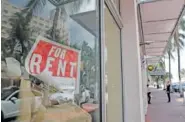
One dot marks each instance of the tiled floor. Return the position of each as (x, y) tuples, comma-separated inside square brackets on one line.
[(161, 111)]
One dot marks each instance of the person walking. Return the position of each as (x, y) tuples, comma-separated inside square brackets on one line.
[(148, 94), (168, 91)]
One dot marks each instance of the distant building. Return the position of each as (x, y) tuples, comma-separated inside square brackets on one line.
[(38, 25)]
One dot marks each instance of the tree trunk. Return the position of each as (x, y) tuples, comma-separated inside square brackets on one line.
[(53, 36), (179, 72), (158, 83), (55, 23), (169, 66), (164, 77), (164, 84)]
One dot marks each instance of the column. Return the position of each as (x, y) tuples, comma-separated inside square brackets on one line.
[(133, 99)]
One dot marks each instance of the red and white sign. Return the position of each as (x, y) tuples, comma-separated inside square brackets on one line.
[(54, 64)]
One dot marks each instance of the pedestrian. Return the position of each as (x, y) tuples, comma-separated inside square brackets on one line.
[(148, 94), (168, 91)]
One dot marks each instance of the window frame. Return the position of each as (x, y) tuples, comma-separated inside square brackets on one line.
[(117, 18)]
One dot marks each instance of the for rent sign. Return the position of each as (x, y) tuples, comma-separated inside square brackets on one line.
[(54, 64)]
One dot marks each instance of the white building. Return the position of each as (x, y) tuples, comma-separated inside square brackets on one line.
[(38, 25)]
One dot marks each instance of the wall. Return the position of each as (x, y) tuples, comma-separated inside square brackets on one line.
[(133, 96)]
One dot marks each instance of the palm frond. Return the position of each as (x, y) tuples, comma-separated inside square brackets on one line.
[(19, 36), (182, 24), (63, 13), (172, 56), (34, 6), (182, 35), (162, 65), (181, 42), (170, 50), (178, 40)]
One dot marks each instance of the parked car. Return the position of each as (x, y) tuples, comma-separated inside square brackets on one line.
[(183, 86), (10, 102), (175, 87)]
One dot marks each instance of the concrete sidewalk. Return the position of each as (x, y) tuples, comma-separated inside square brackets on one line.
[(161, 111)]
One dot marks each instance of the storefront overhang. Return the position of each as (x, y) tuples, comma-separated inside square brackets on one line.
[(158, 18), (87, 20)]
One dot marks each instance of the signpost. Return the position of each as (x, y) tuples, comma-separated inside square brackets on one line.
[(153, 71), (157, 73), (54, 64)]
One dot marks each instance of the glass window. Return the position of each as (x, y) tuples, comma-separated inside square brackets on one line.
[(46, 26), (4, 22), (3, 27), (6, 4), (14, 7), (41, 19), (34, 22), (3, 33), (6, 11), (9, 91), (5, 93), (16, 95), (61, 61), (41, 24), (113, 69)]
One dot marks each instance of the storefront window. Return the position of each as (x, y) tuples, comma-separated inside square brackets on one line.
[(50, 61), (113, 66)]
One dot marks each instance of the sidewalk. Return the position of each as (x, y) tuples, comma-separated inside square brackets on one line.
[(161, 111)]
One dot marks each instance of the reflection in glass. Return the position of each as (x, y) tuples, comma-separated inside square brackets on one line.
[(71, 24)]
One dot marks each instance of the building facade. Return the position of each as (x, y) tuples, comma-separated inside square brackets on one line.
[(107, 34), (39, 25)]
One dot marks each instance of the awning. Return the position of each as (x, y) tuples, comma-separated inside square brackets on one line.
[(158, 20), (87, 20)]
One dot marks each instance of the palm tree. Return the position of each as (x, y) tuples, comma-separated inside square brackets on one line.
[(33, 6), (17, 44), (179, 44), (162, 66), (88, 58), (60, 12), (170, 56)]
